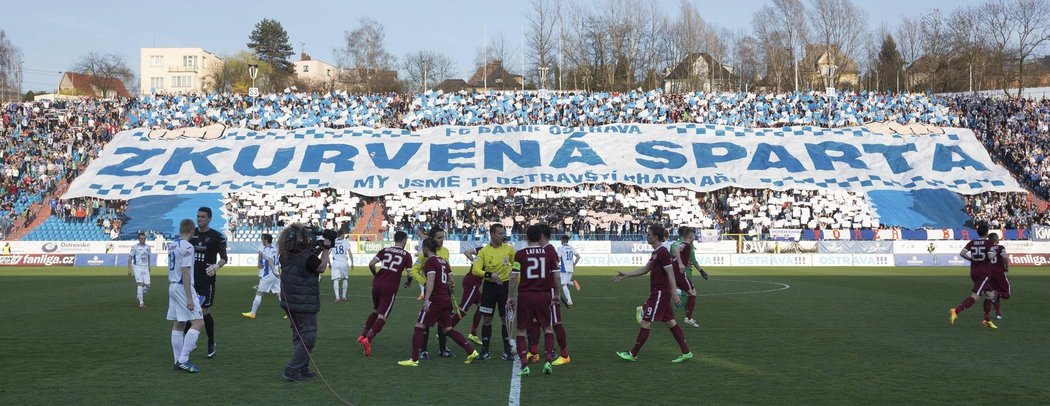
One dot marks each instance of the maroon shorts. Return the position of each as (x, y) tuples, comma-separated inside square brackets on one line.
[(534, 305), (440, 312), (658, 307), (1001, 283), (471, 293), (383, 301), (682, 282), (981, 282)]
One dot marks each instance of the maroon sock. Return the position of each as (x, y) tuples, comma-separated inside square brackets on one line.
[(417, 343), (548, 344), (368, 323), (522, 354), (690, 304), (987, 308), (461, 341), (964, 305), (643, 334), (996, 304), (559, 333), (474, 324), (679, 336), (376, 328), (534, 339)]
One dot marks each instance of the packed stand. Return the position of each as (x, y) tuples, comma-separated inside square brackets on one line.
[(590, 211), (253, 213), (751, 211), (1004, 210), (285, 110), (1016, 133)]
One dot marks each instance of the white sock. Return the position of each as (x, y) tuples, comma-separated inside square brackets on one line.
[(346, 284), (189, 344), (335, 288), (145, 289), (138, 293), (565, 291), (176, 343), (255, 304)]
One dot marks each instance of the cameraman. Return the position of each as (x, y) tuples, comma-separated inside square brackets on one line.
[(303, 259)]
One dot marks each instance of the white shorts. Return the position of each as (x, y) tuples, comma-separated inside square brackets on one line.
[(177, 310), (340, 271), (566, 277), (141, 274), (269, 284)]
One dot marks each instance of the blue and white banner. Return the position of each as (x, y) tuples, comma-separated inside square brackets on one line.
[(372, 162)]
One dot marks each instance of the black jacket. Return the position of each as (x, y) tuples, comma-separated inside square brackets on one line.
[(300, 292)]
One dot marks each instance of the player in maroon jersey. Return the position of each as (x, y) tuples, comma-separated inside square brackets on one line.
[(437, 306), (385, 284), (662, 290), (471, 296), (1000, 282), (983, 257), (533, 280)]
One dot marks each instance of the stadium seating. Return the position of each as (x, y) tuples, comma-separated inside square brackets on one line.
[(54, 229), (61, 137), (254, 213)]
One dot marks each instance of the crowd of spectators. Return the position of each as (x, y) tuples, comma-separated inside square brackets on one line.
[(1016, 133), (251, 213), (45, 143), (1005, 210), (594, 211)]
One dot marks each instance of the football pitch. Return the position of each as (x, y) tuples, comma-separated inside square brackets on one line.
[(767, 336)]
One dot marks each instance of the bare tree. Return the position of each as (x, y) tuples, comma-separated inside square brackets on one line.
[(965, 36), (544, 19), (105, 71), (10, 69), (998, 31), (363, 56), (838, 26), (933, 40), (1032, 19), (499, 49), (909, 43), (424, 69)]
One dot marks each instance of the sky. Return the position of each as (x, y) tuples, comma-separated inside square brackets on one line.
[(53, 34)]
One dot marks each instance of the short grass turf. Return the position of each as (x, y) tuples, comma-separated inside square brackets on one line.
[(767, 336)]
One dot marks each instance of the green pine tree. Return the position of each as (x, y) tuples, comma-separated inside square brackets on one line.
[(270, 43)]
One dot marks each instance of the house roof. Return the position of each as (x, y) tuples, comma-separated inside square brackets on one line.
[(816, 51), (82, 84), (452, 85), (494, 71), (684, 69)]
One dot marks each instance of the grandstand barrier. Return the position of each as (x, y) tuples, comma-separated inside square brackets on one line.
[(593, 254)]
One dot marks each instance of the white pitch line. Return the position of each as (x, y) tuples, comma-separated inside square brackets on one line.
[(514, 398)]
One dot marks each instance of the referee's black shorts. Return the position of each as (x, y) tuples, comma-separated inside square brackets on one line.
[(493, 295)]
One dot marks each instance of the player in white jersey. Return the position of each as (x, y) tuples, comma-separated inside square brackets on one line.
[(568, 257), (269, 274), (342, 262), (138, 266), (184, 304)]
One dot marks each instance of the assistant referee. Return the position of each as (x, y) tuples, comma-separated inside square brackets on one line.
[(493, 263)]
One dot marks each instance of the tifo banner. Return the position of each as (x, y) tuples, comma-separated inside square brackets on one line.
[(372, 162)]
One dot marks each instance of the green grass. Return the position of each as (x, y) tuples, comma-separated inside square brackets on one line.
[(836, 336)]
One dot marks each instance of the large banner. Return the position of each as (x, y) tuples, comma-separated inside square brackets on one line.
[(372, 162)]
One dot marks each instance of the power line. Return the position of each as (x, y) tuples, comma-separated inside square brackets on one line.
[(42, 70)]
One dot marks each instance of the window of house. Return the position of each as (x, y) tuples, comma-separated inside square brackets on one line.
[(306, 68), (189, 61), (181, 81), (156, 61), (156, 83)]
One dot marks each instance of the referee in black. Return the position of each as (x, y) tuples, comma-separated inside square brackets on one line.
[(209, 254)]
